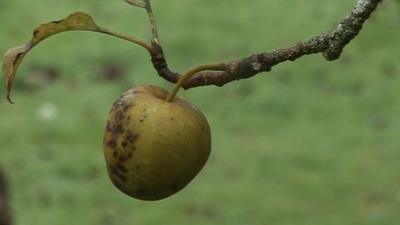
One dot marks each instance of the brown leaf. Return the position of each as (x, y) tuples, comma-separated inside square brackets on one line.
[(14, 56), (11, 60)]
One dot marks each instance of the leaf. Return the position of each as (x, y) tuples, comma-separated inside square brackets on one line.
[(76, 21), (138, 3), (11, 60), (14, 56)]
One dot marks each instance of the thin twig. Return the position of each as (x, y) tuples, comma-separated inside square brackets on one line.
[(126, 37), (330, 45), (153, 23)]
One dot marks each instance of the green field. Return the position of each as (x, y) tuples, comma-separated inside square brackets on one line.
[(310, 143)]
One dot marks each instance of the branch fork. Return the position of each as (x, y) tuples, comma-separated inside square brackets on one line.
[(330, 44)]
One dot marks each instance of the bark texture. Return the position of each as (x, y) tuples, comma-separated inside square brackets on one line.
[(330, 44)]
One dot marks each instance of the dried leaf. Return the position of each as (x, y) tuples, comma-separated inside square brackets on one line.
[(138, 3), (11, 60), (76, 21), (13, 57)]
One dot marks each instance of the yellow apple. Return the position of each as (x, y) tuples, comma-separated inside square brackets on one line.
[(153, 147)]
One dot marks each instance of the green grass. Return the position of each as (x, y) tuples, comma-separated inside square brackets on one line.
[(310, 143)]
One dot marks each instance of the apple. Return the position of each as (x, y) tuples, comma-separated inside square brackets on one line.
[(154, 148)]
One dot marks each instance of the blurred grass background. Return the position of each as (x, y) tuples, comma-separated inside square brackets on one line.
[(309, 143)]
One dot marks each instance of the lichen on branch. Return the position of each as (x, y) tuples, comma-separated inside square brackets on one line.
[(330, 44)]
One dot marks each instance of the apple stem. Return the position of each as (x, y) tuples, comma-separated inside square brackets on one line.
[(189, 74)]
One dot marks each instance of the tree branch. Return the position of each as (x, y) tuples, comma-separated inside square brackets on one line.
[(330, 45), (5, 215)]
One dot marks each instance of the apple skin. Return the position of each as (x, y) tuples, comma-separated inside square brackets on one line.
[(154, 148)]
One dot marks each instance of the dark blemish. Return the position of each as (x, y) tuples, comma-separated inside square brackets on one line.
[(129, 118), (119, 115), (119, 129), (143, 118), (124, 144), (112, 144), (118, 174), (35, 32), (126, 108), (122, 159), (172, 118), (121, 168), (115, 154), (126, 157), (131, 137), (115, 128), (116, 104), (137, 167)]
